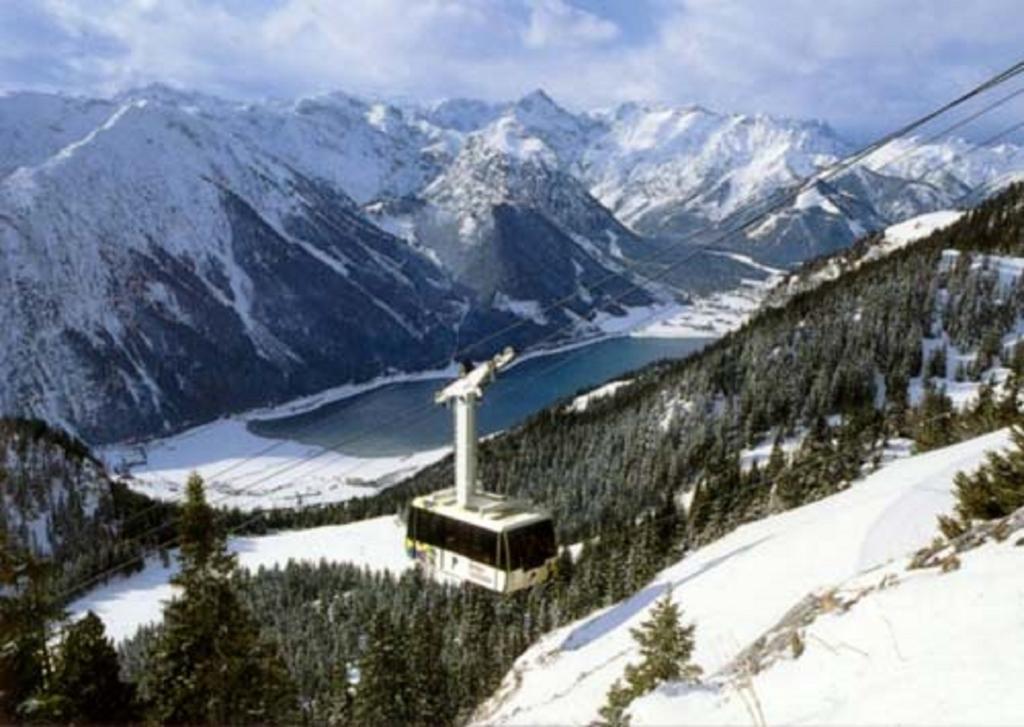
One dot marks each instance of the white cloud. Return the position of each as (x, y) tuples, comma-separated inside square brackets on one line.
[(855, 62), (862, 64), (555, 23)]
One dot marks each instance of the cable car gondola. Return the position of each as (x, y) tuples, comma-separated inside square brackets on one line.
[(464, 534)]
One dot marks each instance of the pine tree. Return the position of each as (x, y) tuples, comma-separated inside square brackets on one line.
[(381, 697), (665, 647), (86, 677), (209, 664), (700, 511), (934, 421), (997, 488), (27, 610), (613, 713)]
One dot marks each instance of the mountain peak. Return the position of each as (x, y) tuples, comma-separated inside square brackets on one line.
[(538, 104), (158, 91), (537, 96), (539, 115), (337, 101), (164, 94)]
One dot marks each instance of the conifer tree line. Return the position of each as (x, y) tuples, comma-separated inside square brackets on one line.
[(207, 664), (57, 501)]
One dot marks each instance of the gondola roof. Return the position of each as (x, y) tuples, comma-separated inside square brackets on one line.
[(486, 509)]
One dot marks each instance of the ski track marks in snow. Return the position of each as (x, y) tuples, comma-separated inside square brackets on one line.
[(606, 622)]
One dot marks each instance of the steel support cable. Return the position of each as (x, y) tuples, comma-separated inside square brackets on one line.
[(781, 198)]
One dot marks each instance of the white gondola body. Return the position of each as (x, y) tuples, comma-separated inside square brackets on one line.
[(502, 545), (465, 535)]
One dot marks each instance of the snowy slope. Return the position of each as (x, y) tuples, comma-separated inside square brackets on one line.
[(512, 222), (1005, 273), (937, 162), (720, 312), (125, 604), (660, 167), (35, 126), (583, 401), (890, 646), (55, 499), (916, 228), (676, 172), (738, 587), (163, 241), (892, 238)]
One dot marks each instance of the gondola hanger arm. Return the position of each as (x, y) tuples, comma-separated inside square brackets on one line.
[(471, 384)]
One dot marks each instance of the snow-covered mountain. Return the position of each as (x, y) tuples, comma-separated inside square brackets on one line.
[(682, 172), (162, 269), (669, 170), (169, 256)]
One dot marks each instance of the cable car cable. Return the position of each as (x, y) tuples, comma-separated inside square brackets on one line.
[(390, 424), (786, 196), (843, 164), (821, 175)]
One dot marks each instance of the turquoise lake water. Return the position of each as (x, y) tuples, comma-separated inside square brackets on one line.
[(401, 418)]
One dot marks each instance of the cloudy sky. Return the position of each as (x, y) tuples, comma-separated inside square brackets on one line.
[(863, 65)]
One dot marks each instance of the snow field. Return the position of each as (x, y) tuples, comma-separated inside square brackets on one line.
[(736, 588), (125, 604), (918, 647), (916, 228), (718, 313), (583, 401), (239, 471)]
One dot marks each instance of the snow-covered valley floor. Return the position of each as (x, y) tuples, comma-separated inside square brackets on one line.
[(125, 604), (740, 586), (246, 471), (718, 313)]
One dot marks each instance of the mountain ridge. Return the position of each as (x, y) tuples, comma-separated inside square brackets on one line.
[(161, 242)]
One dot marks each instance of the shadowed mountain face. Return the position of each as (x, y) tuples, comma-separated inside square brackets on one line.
[(168, 257)]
